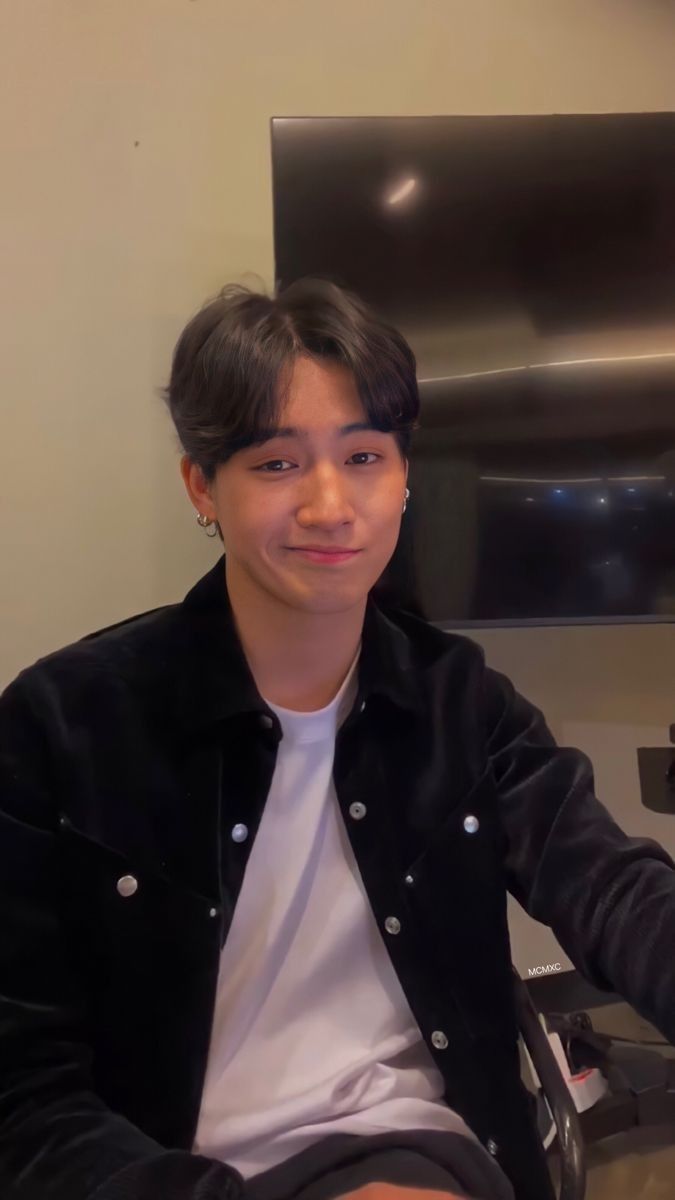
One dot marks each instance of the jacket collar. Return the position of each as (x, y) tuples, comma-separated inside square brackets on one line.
[(214, 682)]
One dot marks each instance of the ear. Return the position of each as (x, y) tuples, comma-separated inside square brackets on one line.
[(197, 488)]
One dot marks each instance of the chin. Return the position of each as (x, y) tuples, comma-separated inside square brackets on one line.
[(327, 600), (328, 604)]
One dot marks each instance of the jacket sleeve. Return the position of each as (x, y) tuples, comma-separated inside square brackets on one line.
[(58, 1140), (609, 898)]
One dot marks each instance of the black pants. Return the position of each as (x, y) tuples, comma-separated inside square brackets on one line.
[(443, 1161)]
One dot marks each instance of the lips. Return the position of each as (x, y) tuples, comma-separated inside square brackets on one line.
[(325, 554), (327, 549)]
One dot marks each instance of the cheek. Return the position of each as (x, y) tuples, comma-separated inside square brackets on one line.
[(387, 507), (389, 538), (383, 525), (248, 520)]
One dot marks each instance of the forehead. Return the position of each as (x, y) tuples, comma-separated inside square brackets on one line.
[(319, 395)]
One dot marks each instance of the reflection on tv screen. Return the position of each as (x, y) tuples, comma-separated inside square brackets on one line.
[(530, 261)]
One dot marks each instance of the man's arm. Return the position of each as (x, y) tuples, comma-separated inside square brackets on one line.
[(609, 899), (58, 1140)]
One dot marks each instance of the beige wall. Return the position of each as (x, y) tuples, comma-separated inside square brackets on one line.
[(135, 164)]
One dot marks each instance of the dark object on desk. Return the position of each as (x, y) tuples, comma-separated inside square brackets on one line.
[(567, 991), (657, 776), (641, 1081)]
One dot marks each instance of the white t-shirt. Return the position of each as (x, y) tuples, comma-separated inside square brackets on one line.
[(312, 1033)]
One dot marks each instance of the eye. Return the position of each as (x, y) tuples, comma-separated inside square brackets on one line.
[(276, 466), (364, 457)]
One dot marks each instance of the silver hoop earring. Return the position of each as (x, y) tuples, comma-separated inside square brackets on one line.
[(406, 497), (210, 528)]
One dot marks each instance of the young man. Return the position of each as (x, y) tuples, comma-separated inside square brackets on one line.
[(255, 847)]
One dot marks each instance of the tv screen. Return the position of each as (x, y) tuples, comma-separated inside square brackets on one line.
[(530, 262)]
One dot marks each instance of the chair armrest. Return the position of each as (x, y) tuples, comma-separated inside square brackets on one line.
[(560, 1102)]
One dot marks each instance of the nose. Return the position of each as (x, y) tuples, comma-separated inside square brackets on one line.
[(325, 502)]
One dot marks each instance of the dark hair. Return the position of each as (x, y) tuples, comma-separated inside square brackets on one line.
[(228, 367)]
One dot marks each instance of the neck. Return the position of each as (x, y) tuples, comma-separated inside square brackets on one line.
[(299, 660)]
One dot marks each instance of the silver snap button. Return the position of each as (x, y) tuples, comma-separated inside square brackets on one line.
[(357, 810), (64, 822), (492, 1147), (471, 824), (409, 880), (239, 833), (266, 722), (392, 925), (127, 885), (362, 706), (213, 912), (438, 1040)]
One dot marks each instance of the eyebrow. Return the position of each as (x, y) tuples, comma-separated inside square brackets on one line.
[(292, 431)]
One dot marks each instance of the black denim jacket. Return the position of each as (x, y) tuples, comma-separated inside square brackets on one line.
[(125, 762)]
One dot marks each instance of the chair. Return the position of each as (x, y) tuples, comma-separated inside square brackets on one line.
[(557, 1094)]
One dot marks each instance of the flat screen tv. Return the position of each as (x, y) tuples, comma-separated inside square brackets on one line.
[(530, 261)]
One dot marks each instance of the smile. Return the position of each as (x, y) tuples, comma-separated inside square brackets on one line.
[(325, 556)]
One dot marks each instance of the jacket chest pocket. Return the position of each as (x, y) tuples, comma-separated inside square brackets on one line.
[(458, 893), (127, 917), (146, 952)]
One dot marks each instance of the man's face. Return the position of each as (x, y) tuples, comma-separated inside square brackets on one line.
[(311, 517)]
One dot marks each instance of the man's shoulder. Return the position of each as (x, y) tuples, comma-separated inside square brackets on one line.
[(114, 657), (430, 646), (422, 664)]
